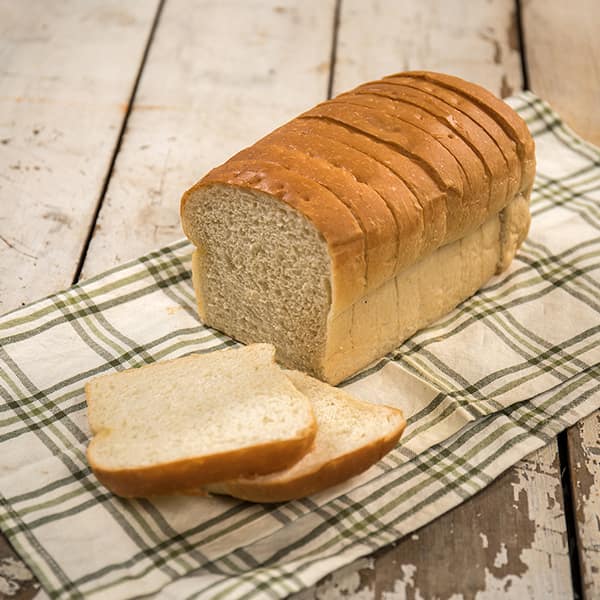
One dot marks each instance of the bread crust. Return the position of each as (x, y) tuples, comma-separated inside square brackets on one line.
[(325, 465), (435, 160), (424, 194), (472, 207), (450, 98), (306, 136), (329, 474), (495, 163), (172, 477), (506, 117)]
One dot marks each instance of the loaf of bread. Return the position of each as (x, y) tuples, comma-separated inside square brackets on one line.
[(340, 234), (351, 436), (177, 425)]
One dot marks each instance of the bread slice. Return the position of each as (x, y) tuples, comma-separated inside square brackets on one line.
[(187, 422), (351, 436)]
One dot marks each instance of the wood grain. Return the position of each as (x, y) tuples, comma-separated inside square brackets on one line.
[(510, 540), (62, 102), (192, 114), (474, 40), (563, 58)]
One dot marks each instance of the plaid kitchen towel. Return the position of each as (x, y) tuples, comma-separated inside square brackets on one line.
[(486, 385)]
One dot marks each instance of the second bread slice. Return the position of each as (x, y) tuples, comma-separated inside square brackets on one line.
[(184, 423), (352, 435)]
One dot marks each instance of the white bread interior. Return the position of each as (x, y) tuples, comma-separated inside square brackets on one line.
[(351, 436), (265, 273)]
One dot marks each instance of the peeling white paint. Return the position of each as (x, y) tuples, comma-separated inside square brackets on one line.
[(484, 540), (402, 585), (589, 526), (408, 571), (414, 537), (501, 557), (549, 543), (7, 587), (346, 586), (15, 569), (511, 586), (12, 573), (345, 583)]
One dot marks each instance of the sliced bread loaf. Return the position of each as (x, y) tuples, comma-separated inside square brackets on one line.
[(187, 422), (305, 239), (352, 435)]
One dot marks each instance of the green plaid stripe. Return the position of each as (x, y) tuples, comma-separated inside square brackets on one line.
[(473, 420)]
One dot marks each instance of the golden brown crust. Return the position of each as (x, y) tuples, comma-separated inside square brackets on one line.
[(328, 474), (496, 167), (309, 136), (472, 208), (423, 196), (441, 155), (504, 115), (192, 473), (404, 139), (452, 99), (442, 172)]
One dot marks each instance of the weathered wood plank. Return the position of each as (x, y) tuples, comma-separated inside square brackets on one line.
[(16, 580), (584, 454), (210, 104), (563, 54), (219, 76), (510, 540), (66, 74), (475, 40)]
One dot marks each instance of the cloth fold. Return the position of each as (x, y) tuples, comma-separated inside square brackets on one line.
[(484, 386)]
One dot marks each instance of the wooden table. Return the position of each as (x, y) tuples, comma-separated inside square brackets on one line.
[(110, 108)]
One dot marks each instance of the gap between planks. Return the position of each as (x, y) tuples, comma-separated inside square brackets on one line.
[(566, 476), (334, 43), (113, 160)]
